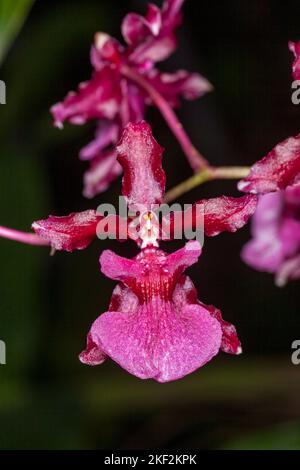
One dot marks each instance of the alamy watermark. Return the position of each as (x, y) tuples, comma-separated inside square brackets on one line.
[(295, 357), (296, 94), (2, 352), (150, 224), (2, 92)]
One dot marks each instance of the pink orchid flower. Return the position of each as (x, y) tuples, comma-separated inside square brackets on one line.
[(118, 91), (155, 327)]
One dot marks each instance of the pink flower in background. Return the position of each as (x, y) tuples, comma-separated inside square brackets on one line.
[(112, 96), (155, 327), (295, 48), (275, 246)]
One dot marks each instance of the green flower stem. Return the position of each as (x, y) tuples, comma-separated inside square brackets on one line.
[(208, 174)]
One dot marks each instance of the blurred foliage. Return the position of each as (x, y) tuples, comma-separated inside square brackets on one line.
[(13, 13), (47, 398), (284, 437)]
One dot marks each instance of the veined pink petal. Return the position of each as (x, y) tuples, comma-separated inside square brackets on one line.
[(185, 293), (103, 170), (279, 169), (124, 300), (98, 98), (72, 232), (140, 156), (154, 330), (158, 342), (295, 48)]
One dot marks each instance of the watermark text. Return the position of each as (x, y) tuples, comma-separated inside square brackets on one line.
[(2, 352)]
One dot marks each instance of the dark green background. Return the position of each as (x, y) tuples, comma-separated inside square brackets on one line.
[(48, 399)]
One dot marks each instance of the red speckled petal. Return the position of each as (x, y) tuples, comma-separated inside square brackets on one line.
[(213, 216), (230, 342), (72, 232), (92, 355), (77, 230), (227, 214), (140, 156), (279, 169)]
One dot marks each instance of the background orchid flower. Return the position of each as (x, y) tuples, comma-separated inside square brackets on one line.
[(275, 246), (124, 82)]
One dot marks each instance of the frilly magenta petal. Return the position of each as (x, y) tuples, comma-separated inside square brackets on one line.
[(165, 348)]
